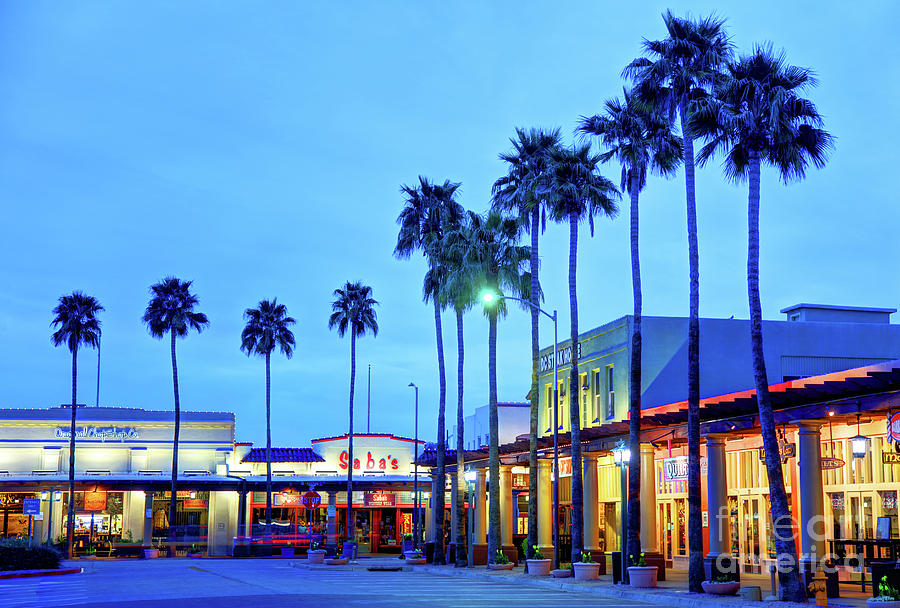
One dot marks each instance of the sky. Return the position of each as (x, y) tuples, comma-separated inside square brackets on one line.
[(258, 150)]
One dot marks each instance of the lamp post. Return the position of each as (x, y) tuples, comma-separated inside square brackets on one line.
[(416, 472), (489, 297), (621, 456)]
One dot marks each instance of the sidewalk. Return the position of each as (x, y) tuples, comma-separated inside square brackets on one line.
[(672, 592)]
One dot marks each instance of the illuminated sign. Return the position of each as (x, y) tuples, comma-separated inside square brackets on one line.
[(785, 449), (95, 501), (675, 468), (890, 458), (893, 427), (827, 463), (369, 463), (380, 499), (283, 499), (103, 433), (563, 357), (195, 503)]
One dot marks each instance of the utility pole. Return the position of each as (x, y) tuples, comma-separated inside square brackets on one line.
[(369, 402)]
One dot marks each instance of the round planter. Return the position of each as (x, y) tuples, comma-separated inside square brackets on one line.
[(874, 602), (337, 561), (195, 555), (316, 556), (642, 576), (561, 573), (586, 571), (508, 566), (539, 567), (151, 553), (287, 552), (713, 588), (415, 561)]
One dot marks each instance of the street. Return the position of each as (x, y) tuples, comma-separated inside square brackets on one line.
[(228, 583)]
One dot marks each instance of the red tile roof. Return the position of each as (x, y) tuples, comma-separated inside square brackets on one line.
[(283, 455)]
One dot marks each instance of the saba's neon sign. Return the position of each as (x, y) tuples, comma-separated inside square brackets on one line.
[(381, 464)]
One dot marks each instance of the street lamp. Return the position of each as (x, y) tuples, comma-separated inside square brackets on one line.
[(621, 456), (489, 297), (416, 473)]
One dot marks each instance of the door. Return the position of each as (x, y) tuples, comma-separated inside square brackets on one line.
[(362, 531), (750, 548)]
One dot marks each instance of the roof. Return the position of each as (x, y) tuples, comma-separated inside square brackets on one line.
[(283, 455), (834, 307), (386, 435), (89, 414)]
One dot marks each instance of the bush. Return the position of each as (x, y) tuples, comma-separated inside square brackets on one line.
[(17, 555)]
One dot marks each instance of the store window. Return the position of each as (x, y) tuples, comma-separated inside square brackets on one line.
[(610, 393)]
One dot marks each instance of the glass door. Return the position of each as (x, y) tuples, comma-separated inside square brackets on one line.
[(362, 531)]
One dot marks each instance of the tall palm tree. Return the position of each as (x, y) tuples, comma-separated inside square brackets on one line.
[(267, 328), (640, 140), (757, 115), (431, 210), (523, 191), (578, 191), (76, 324), (493, 259), (353, 311), (680, 68), (171, 311)]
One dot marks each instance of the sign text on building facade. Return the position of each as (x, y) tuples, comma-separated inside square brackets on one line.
[(103, 433), (563, 357)]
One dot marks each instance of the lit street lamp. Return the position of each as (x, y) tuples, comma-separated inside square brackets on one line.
[(489, 297), (621, 456), (416, 473)]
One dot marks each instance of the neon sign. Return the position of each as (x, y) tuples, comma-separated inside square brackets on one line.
[(371, 464)]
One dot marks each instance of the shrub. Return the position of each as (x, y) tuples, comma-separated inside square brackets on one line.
[(15, 554)]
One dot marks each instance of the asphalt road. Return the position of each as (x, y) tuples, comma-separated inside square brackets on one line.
[(258, 583)]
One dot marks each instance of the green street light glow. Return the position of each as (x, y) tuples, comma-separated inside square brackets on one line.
[(487, 296)]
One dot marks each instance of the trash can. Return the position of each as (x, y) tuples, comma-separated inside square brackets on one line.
[(349, 550), (617, 567), (429, 552)]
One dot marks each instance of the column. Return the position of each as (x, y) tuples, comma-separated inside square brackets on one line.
[(812, 499), (480, 508), (648, 499), (148, 518), (331, 531), (717, 496), (429, 525), (455, 481), (590, 503), (506, 506), (545, 505)]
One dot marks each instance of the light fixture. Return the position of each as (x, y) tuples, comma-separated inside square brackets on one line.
[(57, 495), (45, 495), (585, 387), (859, 445), (469, 476), (622, 455)]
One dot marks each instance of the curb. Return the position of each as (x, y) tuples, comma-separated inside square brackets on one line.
[(33, 573)]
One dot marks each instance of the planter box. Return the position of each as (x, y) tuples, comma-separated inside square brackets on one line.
[(728, 588), (337, 561), (501, 566), (586, 571), (642, 576), (195, 555), (561, 573), (316, 556), (873, 602), (539, 567), (287, 552), (151, 553), (415, 561)]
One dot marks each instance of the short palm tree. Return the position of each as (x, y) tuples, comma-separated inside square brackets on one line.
[(353, 311), (430, 210), (493, 259), (641, 140), (681, 67), (268, 327), (171, 311), (757, 115), (577, 191), (522, 191), (76, 324)]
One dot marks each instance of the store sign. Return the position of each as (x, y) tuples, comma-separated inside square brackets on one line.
[(95, 501), (563, 357), (828, 463), (369, 463), (311, 500), (675, 468), (785, 449), (31, 506), (890, 458), (284, 499), (195, 503), (103, 433), (893, 427), (380, 499), (565, 467)]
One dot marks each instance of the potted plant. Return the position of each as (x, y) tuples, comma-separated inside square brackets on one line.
[(538, 565), (151, 552), (90, 553), (586, 569), (888, 596), (315, 555), (721, 585), (337, 560), (195, 552), (407, 545), (640, 574), (500, 562), (414, 558)]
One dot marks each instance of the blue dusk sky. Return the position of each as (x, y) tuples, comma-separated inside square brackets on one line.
[(258, 148)]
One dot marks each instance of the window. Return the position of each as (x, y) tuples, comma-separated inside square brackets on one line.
[(610, 392), (598, 393)]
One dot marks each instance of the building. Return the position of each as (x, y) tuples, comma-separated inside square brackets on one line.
[(513, 420)]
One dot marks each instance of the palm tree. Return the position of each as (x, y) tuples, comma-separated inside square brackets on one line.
[(578, 191), (353, 310), (171, 310), (76, 323), (757, 115), (493, 259), (430, 211), (640, 140), (680, 68), (268, 328), (522, 191)]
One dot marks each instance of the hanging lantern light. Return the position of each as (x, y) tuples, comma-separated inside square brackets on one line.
[(859, 445)]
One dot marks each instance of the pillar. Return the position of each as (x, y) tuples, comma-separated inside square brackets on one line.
[(506, 507), (480, 508), (331, 528), (429, 525), (648, 500), (717, 496), (545, 505), (148, 518), (455, 481), (590, 503), (812, 499)]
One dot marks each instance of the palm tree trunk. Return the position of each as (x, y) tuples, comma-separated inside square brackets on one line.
[(574, 394), (174, 486), (633, 545), (494, 442), (695, 529), (439, 481), (268, 449), (460, 523), (790, 583), (70, 522), (350, 523), (535, 397)]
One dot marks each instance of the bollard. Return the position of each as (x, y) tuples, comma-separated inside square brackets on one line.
[(819, 588), (774, 581)]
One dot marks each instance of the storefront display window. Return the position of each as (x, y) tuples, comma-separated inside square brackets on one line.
[(12, 522)]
